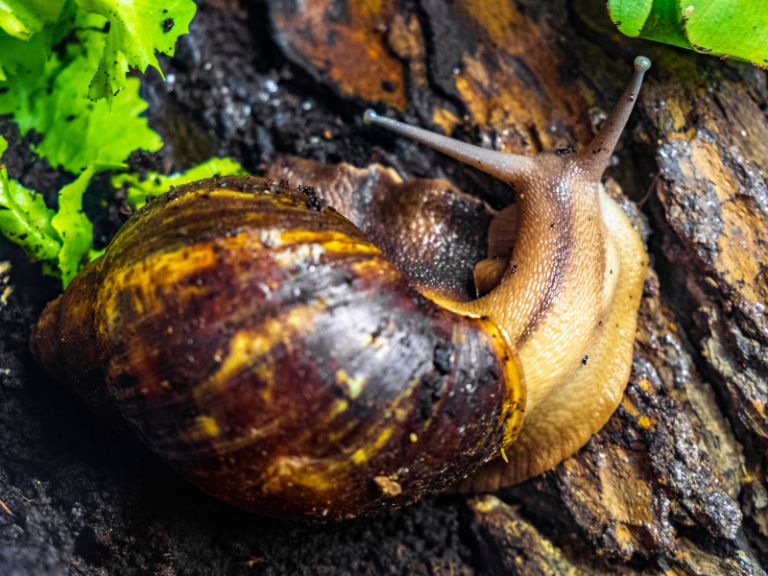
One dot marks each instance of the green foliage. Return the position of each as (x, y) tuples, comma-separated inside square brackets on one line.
[(134, 32), (29, 55), (72, 226), (78, 96), (63, 67), (719, 27), (76, 130), (137, 30), (26, 220), (48, 91), (24, 19), (154, 183), (60, 240)]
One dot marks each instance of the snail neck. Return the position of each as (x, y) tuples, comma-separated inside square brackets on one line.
[(550, 298), (558, 219)]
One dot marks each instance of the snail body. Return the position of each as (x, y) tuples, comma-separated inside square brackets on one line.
[(266, 348)]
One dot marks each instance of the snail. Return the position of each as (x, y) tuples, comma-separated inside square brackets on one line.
[(268, 349)]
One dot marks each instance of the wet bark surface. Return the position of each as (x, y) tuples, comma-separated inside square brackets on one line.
[(676, 482)]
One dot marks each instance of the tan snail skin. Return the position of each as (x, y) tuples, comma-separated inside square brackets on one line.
[(272, 353), (566, 297)]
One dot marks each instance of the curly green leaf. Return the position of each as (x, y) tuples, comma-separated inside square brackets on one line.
[(24, 19), (138, 30), (54, 103)]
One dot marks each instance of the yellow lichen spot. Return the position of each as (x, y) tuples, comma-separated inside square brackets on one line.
[(5, 269), (446, 119), (354, 384), (629, 407), (646, 422), (623, 534), (672, 327), (303, 235), (340, 247), (402, 413), (363, 454), (677, 113), (7, 291), (486, 504), (644, 385), (746, 476), (388, 485), (338, 407), (413, 437), (383, 438), (570, 465)]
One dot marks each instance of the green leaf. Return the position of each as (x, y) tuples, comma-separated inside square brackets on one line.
[(738, 29), (20, 57), (77, 131), (138, 29), (719, 27), (61, 240), (24, 19), (29, 56), (630, 15), (73, 226), (154, 183), (26, 220)]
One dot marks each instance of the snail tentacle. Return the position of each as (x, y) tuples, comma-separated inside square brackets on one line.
[(507, 167), (597, 155)]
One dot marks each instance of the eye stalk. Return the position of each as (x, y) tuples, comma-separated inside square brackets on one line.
[(507, 167), (596, 157), (514, 167)]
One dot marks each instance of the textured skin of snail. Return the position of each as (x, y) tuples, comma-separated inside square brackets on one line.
[(293, 365)]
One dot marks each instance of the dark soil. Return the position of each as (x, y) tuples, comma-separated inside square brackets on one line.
[(78, 498)]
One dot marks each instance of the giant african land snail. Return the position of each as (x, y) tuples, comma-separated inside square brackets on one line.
[(268, 350)]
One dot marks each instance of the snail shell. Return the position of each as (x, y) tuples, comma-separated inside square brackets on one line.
[(270, 351)]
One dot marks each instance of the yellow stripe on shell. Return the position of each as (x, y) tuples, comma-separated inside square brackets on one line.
[(249, 347), (513, 411)]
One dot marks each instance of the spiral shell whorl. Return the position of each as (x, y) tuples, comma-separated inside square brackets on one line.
[(265, 348)]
